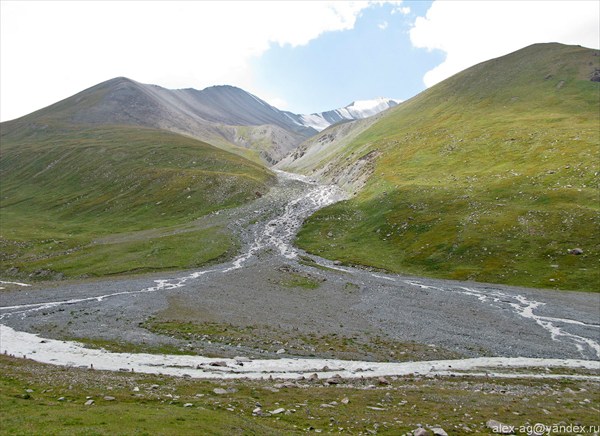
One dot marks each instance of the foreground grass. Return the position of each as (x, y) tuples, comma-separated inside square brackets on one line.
[(491, 175), (43, 399), (63, 189)]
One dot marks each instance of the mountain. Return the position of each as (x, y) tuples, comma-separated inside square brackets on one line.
[(224, 116), (491, 175), (64, 188), (121, 160), (354, 111)]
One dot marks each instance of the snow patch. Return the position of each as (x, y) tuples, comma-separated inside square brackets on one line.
[(355, 111)]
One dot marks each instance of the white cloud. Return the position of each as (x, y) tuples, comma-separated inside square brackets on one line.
[(50, 50), (470, 32), (404, 10), (383, 25)]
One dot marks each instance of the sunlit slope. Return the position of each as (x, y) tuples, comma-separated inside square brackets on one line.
[(491, 175), (64, 187)]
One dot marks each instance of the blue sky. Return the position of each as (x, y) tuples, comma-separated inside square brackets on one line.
[(302, 56), (374, 59)]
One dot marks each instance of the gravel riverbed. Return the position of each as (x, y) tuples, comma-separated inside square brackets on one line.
[(283, 293)]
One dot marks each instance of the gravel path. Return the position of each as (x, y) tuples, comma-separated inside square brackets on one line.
[(468, 319)]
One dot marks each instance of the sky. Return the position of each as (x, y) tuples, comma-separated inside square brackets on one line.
[(301, 56)]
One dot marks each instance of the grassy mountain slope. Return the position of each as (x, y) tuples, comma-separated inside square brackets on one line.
[(121, 101), (64, 187), (491, 175)]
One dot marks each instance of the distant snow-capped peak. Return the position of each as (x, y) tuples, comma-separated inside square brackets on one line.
[(367, 108), (354, 111)]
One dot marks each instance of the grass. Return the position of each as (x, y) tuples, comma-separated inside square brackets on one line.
[(63, 189), (296, 280), (119, 346), (491, 175), (229, 340), (43, 399)]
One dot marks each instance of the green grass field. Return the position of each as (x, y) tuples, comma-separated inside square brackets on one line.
[(491, 175), (43, 399), (64, 188)]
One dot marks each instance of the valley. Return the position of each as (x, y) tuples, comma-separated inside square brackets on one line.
[(276, 313), (229, 259), (273, 284)]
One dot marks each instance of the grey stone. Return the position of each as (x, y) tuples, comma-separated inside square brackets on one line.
[(383, 381), (499, 427)]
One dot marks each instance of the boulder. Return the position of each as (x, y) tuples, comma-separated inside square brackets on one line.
[(499, 427)]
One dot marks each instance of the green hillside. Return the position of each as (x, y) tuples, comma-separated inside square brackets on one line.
[(63, 188), (491, 175)]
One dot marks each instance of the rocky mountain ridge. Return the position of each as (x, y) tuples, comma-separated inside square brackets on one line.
[(224, 116)]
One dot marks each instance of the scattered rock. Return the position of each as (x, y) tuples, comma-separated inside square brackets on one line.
[(499, 427), (420, 432), (109, 398), (576, 251), (277, 411), (188, 405), (281, 351), (383, 381), (271, 389), (242, 359), (337, 262), (376, 408), (345, 400), (335, 379), (438, 431), (218, 363), (313, 377), (286, 385), (220, 391), (89, 403), (257, 412), (61, 399)]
